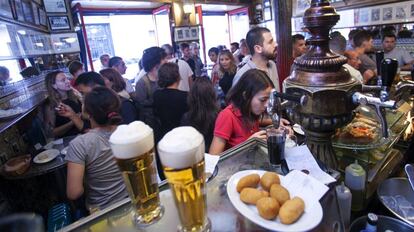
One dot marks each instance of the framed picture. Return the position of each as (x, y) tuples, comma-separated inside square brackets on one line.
[(27, 11), (19, 10), (375, 14), (186, 33), (59, 22), (267, 10), (42, 17), (6, 9), (64, 43), (55, 6), (35, 9), (387, 13)]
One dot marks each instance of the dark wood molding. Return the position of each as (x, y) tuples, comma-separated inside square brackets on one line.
[(282, 14)]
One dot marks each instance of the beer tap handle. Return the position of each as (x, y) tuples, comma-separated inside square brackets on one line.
[(371, 88), (299, 99), (273, 108), (379, 57), (388, 70), (379, 104)]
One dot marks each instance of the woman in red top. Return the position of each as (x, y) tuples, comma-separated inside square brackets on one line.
[(240, 120)]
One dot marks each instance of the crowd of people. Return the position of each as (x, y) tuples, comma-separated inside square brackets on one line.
[(168, 92), (227, 108)]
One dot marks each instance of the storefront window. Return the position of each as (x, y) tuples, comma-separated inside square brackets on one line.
[(123, 39), (215, 33)]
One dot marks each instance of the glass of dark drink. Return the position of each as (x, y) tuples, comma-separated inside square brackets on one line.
[(276, 138)]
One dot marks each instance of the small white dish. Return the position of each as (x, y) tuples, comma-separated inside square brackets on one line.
[(46, 156), (298, 129), (309, 219)]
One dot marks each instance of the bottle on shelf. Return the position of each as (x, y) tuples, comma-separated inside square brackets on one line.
[(355, 177)]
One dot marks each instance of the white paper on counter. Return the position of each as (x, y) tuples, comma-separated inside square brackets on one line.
[(304, 186), (210, 162), (300, 158)]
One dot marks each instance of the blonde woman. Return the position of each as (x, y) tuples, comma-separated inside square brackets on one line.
[(228, 67)]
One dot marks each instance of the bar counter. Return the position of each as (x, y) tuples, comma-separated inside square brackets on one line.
[(223, 216)]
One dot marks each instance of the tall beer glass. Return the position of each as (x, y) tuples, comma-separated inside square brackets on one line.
[(133, 148), (182, 156)]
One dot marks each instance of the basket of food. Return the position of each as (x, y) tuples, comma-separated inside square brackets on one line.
[(17, 165)]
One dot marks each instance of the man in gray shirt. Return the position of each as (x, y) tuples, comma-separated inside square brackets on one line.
[(363, 44), (405, 60), (263, 49)]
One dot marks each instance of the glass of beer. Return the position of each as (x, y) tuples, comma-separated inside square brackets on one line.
[(276, 138), (133, 148), (182, 156)]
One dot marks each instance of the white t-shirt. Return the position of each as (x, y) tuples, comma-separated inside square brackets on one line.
[(185, 73), (354, 73)]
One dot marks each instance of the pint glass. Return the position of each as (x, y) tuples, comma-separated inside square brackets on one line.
[(182, 155), (133, 149)]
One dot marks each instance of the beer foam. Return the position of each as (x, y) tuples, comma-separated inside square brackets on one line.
[(182, 147), (128, 141)]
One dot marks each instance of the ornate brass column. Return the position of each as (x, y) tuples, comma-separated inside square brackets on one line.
[(319, 75)]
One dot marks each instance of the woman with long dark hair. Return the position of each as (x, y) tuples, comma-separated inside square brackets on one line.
[(115, 81), (202, 109), (62, 116), (91, 166), (240, 120)]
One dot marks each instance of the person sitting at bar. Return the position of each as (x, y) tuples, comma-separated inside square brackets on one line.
[(118, 64), (202, 109), (363, 44), (170, 104), (350, 44), (76, 69), (240, 120), (113, 80), (298, 45), (4, 76), (353, 65), (405, 60), (263, 48), (91, 166), (228, 68), (62, 112), (152, 59), (87, 81)]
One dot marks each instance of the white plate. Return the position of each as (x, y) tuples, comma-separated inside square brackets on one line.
[(46, 156), (298, 129), (309, 219)]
